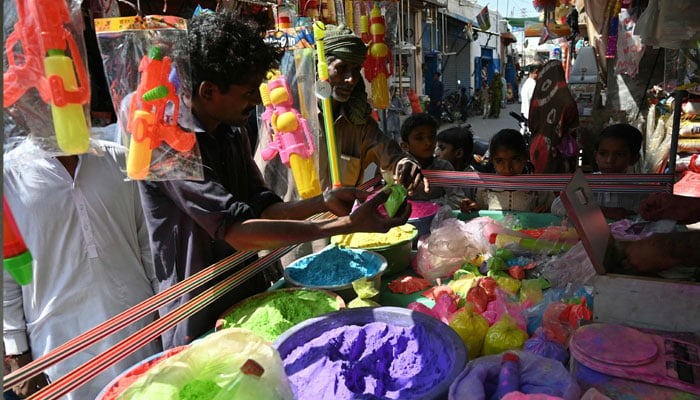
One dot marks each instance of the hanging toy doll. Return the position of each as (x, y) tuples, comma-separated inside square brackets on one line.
[(547, 7)]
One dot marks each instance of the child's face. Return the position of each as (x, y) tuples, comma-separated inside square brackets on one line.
[(447, 152), (421, 142), (508, 162), (614, 157)]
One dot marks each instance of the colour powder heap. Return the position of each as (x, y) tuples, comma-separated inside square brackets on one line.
[(420, 209), (365, 240), (272, 315), (199, 390), (334, 266), (376, 359)]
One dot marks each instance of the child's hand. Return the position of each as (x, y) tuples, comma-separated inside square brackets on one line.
[(468, 205)]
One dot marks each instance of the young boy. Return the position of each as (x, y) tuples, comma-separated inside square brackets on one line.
[(418, 137), (616, 150)]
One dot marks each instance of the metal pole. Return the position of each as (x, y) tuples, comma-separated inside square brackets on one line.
[(678, 97)]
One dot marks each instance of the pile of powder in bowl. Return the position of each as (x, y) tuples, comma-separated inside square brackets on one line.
[(420, 209), (334, 266), (365, 240), (270, 314), (375, 360)]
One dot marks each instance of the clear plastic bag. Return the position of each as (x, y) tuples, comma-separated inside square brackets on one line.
[(572, 267), (445, 250), (146, 64), (46, 91), (216, 360)]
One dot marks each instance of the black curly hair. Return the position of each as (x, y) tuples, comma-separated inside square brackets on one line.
[(226, 50), (415, 121)]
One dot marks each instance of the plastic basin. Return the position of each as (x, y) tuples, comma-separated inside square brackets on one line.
[(126, 378), (398, 255), (296, 272), (441, 354), (422, 215)]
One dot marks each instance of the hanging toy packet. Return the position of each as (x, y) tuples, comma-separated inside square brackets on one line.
[(147, 67), (46, 90)]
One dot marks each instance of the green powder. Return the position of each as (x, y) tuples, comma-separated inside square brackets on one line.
[(199, 390), (270, 316)]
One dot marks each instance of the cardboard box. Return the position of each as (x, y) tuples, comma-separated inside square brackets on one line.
[(637, 301)]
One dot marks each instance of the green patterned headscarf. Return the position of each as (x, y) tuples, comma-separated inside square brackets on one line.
[(342, 43)]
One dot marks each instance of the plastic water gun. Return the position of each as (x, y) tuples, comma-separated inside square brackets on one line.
[(40, 31), (375, 65), (148, 123), (292, 139), (17, 260), (323, 91)]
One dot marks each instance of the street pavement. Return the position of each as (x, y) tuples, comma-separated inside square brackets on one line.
[(484, 129)]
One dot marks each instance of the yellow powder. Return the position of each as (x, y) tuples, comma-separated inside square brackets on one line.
[(365, 240)]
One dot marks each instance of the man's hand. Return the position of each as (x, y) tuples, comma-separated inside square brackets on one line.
[(409, 175), (30, 386), (340, 201), (367, 219), (649, 255), (684, 210)]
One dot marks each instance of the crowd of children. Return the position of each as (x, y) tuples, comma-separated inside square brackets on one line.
[(617, 150)]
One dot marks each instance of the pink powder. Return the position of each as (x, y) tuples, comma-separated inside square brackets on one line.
[(375, 359), (420, 209)]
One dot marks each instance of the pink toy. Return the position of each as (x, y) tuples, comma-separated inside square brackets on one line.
[(628, 353)]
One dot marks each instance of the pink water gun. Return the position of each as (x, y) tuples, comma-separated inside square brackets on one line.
[(375, 65), (41, 33), (292, 139)]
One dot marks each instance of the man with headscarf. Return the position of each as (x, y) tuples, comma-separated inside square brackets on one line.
[(359, 140)]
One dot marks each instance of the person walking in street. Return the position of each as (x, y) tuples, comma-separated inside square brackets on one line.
[(436, 92), (528, 90), (496, 96)]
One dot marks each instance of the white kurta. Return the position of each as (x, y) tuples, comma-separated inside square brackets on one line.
[(92, 259)]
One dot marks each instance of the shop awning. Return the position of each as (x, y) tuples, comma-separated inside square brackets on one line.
[(557, 29), (508, 38), (460, 18), (520, 22)]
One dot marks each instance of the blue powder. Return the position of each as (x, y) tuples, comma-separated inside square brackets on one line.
[(334, 266)]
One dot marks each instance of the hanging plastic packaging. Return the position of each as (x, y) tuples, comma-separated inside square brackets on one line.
[(45, 51), (146, 64)]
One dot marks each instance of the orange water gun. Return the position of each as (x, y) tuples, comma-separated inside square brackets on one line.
[(375, 65), (41, 32), (17, 260), (292, 139), (148, 123)]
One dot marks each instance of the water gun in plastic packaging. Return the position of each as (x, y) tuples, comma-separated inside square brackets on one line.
[(292, 139), (17, 260), (148, 123), (375, 65), (41, 32)]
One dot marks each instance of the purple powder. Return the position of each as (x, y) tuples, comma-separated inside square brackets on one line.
[(375, 359), (334, 266)]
